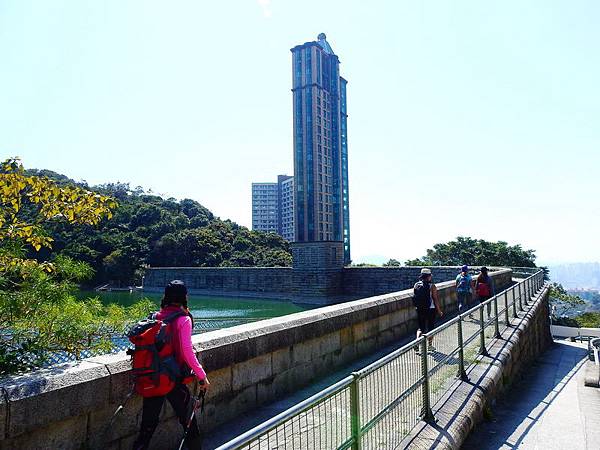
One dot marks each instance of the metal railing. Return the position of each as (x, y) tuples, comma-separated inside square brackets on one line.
[(377, 406), (121, 343)]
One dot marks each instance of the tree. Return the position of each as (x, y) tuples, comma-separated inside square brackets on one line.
[(29, 201), (476, 252), (562, 303), (392, 263), (39, 315), (588, 320), (149, 230)]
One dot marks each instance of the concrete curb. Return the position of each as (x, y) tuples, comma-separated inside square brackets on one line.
[(592, 374)]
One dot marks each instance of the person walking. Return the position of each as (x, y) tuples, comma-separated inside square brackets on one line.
[(484, 287), (179, 331), (426, 301), (464, 286)]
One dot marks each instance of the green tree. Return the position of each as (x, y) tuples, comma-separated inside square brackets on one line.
[(39, 315), (588, 320), (149, 230), (392, 263), (564, 305), (476, 252)]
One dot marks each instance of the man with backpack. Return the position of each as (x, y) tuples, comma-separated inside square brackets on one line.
[(464, 286), (163, 362), (427, 303)]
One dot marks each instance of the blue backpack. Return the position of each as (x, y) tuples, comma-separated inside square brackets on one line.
[(463, 283)]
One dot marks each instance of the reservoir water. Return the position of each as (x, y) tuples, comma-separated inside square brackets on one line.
[(211, 313)]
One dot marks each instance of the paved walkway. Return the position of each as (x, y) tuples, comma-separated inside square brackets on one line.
[(549, 408), (412, 365)]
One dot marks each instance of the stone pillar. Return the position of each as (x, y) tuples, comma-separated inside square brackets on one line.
[(317, 270)]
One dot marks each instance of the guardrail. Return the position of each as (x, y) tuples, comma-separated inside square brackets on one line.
[(377, 406), (121, 343)]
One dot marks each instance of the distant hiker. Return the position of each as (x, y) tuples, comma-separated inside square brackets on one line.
[(170, 331), (464, 286), (427, 303), (484, 287)]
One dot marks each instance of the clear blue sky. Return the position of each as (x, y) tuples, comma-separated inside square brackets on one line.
[(465, 117)]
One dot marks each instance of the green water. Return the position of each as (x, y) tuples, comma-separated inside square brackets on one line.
[(211, 313)]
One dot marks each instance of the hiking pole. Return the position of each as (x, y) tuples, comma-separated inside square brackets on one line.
[(118, 410), (121, 406), (198, 405)]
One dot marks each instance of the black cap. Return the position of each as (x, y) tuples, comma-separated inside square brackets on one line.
[(175, 292)]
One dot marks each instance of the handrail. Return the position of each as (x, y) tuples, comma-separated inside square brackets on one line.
[(280, 418), (415, 360)]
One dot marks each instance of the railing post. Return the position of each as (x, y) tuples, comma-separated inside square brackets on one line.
[(482, 349), (426, 413), (527, 284), (355, 413), (520, 299), (461, 352), (496, 324), (506, 316)]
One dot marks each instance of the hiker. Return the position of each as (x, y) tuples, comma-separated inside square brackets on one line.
[(427, 303), (464, 285), (484, 287), (174, 311)]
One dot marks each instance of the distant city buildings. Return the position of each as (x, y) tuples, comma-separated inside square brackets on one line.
[(320, 145), (273, 207), (286, 207), (264, 207)]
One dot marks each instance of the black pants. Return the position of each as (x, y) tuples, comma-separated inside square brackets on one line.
[(180, 399), (426, 318), (489, 305)]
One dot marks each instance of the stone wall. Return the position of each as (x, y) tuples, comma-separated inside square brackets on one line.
[(69, 406), (317, 277), (265, 282), (367, 281)]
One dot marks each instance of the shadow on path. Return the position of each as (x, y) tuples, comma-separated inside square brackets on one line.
[(541, 410), (240, 424)]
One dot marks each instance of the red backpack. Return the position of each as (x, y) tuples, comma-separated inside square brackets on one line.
[(154, 366), (483, 289)]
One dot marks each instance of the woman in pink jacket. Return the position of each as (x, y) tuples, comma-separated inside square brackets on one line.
[(180, 331)]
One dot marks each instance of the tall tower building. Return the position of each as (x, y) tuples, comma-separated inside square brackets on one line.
[(320, 145)]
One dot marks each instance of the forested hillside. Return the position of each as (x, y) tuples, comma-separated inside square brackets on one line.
[(149, 230)]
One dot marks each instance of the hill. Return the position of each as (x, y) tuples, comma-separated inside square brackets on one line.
[(150, 230), (576, 275)]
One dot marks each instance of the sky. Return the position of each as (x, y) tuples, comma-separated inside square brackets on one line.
[(466, 118)]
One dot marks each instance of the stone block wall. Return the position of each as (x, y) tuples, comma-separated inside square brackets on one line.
[(69, 406), (317, 277), (267, 282), (366, 281), (318, 255)]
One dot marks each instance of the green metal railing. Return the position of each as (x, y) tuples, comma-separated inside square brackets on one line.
[(377, 406)]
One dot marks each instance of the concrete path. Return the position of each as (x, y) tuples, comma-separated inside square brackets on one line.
[(244, 422), (549, 408), (412, 365)]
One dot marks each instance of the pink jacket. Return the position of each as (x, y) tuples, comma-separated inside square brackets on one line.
[(182, 340)]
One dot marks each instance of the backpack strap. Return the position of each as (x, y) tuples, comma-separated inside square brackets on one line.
[(178, 314)]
